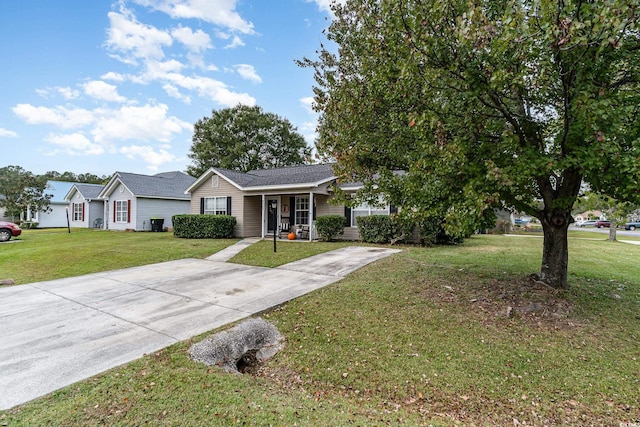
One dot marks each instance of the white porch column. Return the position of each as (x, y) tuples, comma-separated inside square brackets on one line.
[(262, 209), (311, 225)]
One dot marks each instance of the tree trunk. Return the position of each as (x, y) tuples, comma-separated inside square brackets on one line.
[(555, 252), (612, 229)]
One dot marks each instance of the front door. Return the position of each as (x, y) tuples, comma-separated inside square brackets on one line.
[(273, 212)]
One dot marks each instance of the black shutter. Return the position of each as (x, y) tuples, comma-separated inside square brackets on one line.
[(201, 205), (393, 209), (292, 210), (229, 205), (314, 209), (347, 215)]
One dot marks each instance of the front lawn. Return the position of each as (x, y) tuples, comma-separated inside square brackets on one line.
[(432, 336), (54, 253)]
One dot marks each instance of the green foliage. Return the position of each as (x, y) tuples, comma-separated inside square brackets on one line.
[(384, 228), (21, 190), (330, 226), (203, 226), (245, 138), (86, 178), (483, 105)]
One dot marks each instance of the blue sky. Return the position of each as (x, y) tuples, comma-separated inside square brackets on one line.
[(96, 86)]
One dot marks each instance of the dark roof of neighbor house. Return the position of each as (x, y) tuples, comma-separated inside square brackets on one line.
[(287, 176), (166, 185), (89, 191)]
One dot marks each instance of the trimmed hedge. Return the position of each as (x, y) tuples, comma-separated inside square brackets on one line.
[(203, 226), (329, 226), (383, 229)]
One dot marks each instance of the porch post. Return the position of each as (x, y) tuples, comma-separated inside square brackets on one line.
[(311, 216), (262, 209)]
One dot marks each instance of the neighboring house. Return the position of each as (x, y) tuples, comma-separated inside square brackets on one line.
[(264, 200), (57, 216), (86, 210), (131, 200), (3, 213)]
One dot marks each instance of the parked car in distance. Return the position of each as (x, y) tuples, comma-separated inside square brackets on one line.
[(586, 223), (521, 221), (632, 225), (8, 230), (602, 223)]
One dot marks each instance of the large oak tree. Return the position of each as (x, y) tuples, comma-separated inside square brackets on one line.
[(485, 103), (245, 138)]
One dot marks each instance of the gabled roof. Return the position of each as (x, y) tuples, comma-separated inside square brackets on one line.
[(58, 189), (166, 185), (302, 176), (88, 191)]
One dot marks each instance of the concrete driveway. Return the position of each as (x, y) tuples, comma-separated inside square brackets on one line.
[(62, 331)]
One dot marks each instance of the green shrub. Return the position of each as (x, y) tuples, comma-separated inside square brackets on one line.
[(329, 226), (432, 232), (384, 228), (203, 226)]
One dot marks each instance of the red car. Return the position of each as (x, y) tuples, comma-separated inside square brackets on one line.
[(602, 223), (8, 230)]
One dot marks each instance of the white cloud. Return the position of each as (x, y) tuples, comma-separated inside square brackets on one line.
[(174, 92), (75, 144), (308, 130), (6, 133), (154, 158), (116, 77), (157, 70), (143, 123), (104, 91), (197, 41), (212, 89), (65, 92), (135, 40), (235, 42), (248, 72), (307, 103), (58, 116), (325, 5), (68, 93), (218, 12)]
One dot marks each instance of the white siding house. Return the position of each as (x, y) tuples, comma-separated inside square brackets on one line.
[(132, 200), (86, 210)]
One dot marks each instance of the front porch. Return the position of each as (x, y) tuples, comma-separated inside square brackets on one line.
[(290, 213)]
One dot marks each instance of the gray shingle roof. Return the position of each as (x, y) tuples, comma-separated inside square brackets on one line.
[(89, 191), (292, 175), (170, 185)]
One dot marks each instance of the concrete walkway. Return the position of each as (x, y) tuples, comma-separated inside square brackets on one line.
[(62, 331)]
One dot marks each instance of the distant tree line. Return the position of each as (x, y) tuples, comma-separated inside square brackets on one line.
[(21, 189)]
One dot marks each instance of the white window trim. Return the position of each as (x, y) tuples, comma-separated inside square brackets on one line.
[(298, 210), (122, 211), (77, 211), (216, 207), (370, 210)]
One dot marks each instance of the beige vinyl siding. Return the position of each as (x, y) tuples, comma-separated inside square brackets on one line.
[(252, 221), (224, 189), (323, 207)]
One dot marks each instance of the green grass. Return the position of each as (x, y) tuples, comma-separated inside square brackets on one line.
[(54, 253), (431, 336), (261, 254)]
